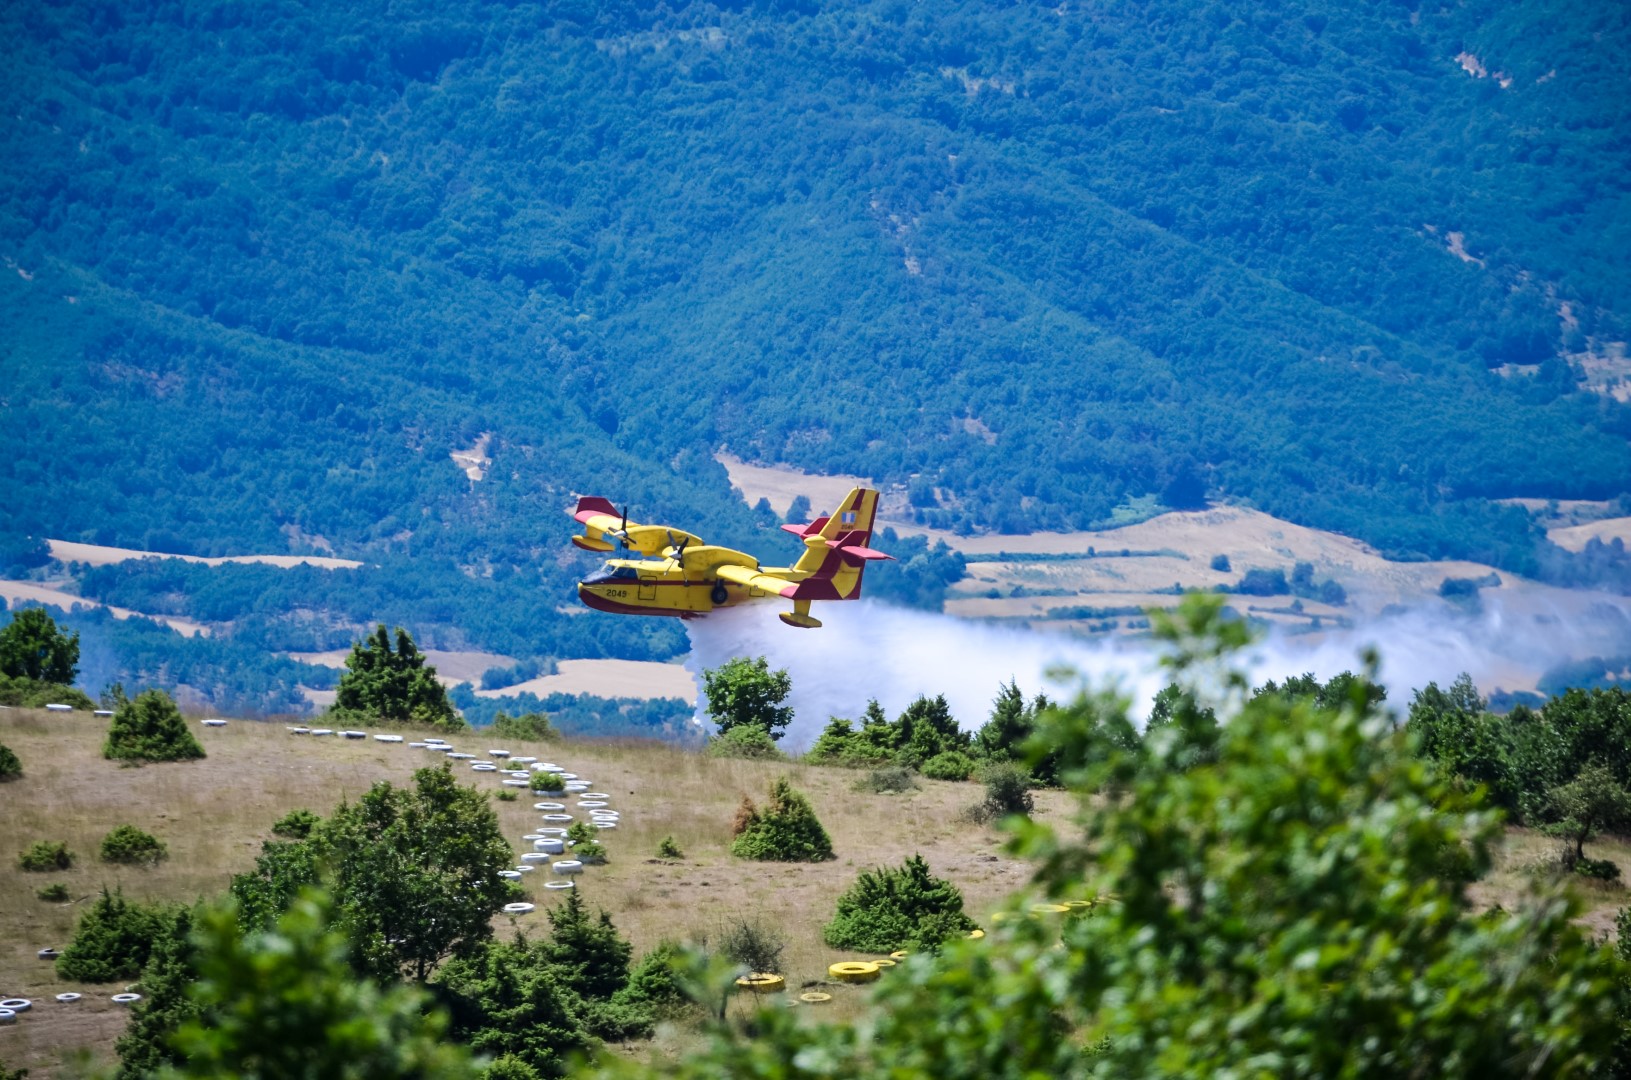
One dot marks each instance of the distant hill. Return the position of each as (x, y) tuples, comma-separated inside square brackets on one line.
[(288, 277)]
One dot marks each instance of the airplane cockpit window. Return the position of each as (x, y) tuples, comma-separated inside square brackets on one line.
[(612, 573)]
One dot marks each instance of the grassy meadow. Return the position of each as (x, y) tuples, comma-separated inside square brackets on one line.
[(214, 815)]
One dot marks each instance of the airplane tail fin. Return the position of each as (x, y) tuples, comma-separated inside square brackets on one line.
[(836, 548)]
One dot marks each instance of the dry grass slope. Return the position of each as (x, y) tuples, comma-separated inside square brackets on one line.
[(215, 813)]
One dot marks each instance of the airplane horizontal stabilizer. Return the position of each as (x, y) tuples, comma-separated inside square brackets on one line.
[(592, 505), (858, 551), (806, 530)]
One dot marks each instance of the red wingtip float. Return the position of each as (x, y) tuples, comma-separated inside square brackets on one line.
[(680, 575)]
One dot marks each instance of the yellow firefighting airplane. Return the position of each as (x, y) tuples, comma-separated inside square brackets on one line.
[(688, 578)]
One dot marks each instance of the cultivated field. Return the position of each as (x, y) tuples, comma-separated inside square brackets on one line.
[(21, 592), (644, 679), (1576, 537), (101, 555), (451, 667), (215, 813)]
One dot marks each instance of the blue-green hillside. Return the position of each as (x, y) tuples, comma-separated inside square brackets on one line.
[(267, 265)]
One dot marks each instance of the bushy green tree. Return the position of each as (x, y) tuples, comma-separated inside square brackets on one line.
[(1011, 723), (413, 873), (1453, 728), (285, 1003), (592, 957), (528, 727), (509, 1000), (1331, 694), (166, 1004), (112, 940), (786, 830), (130, 845), (1591, 803), (11, 766), (33, 647), (927, 728), (283, 869), (149, 727), (746, 693), (888, 909), (394, 686), (832, 745)]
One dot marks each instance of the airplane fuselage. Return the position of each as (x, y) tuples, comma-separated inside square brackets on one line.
[(663, 587)]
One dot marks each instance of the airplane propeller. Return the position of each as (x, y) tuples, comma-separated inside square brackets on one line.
[(623, 530), (679, 549)]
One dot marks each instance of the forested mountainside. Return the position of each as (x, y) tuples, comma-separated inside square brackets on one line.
[(1363, 266)]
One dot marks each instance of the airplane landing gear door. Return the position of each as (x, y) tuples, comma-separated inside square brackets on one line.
[(648, 590)]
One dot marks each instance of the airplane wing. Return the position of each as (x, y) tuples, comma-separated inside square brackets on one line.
[(753, 579), (605, 528)]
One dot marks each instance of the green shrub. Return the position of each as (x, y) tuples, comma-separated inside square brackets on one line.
[(654, 981), (10, 766), (56, 892), (668, 849), (296, 824), (787, 830), (528, 727), (747, 742), (592, 852), (24, 693), (547, 782), (112, 940), (150, 728), (581, 832), (889, 780), (1007, 791), (505, 795), (511, 1067), (951, 765), (889, 909), (1597, 869), (754, 945), (45, 855), (128, 844), (839, 744)]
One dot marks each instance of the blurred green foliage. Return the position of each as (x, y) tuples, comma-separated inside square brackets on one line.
[(1265, 895)]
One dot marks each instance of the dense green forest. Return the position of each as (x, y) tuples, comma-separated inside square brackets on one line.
[(267, 265)]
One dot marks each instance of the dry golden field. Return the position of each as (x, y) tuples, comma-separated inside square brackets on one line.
[(215, 813)]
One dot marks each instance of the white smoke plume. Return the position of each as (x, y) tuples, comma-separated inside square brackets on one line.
[(871, 650)]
